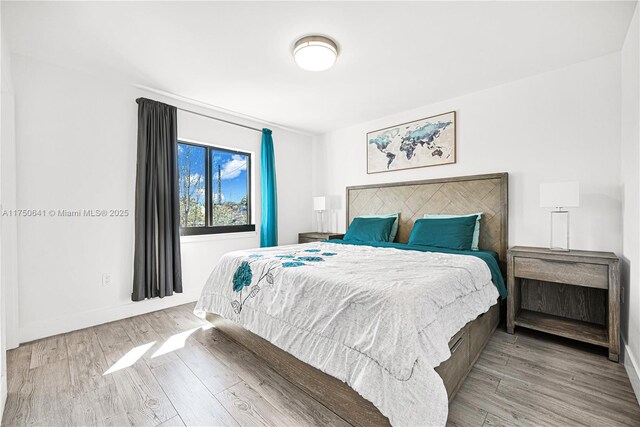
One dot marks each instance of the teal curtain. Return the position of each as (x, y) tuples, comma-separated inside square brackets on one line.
[(269, 226)]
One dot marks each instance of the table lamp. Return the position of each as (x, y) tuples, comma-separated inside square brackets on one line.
[(319, 205), (560, 195)]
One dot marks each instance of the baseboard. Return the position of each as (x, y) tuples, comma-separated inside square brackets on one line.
[(46, 328), (631, 366)]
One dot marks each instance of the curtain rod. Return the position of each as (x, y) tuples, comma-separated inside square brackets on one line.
[(219, 119)]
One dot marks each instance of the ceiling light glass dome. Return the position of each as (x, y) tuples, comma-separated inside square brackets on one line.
[(315, 53)]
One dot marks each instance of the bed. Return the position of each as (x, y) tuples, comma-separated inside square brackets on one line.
[(361, 327)]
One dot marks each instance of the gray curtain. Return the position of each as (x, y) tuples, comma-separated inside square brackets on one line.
[(156, 268)]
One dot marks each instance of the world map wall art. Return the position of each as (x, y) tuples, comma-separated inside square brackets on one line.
[(424, 142)]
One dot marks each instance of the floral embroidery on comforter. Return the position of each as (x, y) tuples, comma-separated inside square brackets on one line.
[(243, 277)]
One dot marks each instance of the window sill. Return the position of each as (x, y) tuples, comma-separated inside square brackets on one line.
[(198, 238)]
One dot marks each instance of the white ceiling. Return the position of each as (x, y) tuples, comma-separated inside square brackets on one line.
[(394, 56)]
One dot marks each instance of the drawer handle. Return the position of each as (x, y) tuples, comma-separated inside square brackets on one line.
[(560, 261), (457, 344)]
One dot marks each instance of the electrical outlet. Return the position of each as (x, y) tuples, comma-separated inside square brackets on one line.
[(106, 279)]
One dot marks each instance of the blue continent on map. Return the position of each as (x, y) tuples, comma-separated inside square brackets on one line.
[(423, 135), (383, 140)]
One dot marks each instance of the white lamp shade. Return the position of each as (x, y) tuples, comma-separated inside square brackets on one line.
[(319, 203), (560, 195)]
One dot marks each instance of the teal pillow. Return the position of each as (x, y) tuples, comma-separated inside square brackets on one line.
[(394, 227), (476, 231), (369, 229), (449, 233)]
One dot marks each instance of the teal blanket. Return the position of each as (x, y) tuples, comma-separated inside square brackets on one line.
[(489, 257)]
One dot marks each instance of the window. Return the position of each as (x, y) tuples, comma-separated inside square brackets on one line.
[(215, 189)]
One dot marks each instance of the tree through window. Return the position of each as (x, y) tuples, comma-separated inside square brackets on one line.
[(215, 189)]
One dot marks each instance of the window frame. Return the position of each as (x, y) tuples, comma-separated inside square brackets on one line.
[(208, 209)]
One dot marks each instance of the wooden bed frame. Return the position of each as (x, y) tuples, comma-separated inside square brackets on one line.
[(458, 195)]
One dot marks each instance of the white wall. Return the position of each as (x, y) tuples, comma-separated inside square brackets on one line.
[(76, 140), (9, 263), (8, 267), (561, 125), (630, 161)]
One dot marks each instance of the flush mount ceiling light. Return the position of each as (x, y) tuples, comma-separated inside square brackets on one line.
[(315, 53)]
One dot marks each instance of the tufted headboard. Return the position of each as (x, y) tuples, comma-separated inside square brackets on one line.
[(458, 195)]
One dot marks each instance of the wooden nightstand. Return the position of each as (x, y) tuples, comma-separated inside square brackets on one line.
[(317, 237), (573, 294)]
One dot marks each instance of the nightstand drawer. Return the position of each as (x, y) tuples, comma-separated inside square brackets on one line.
[(308, 240), (318, 236), (568, 272)]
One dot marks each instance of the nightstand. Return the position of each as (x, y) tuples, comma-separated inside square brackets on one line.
[(318, 237), (574, 294)]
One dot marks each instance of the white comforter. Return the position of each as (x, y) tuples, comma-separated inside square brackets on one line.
[(378, 319)]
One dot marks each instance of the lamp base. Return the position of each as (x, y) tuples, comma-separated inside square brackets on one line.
[(559, 231), (320, 225)]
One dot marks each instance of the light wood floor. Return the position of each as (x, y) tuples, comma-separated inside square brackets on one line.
[(167, 368)]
